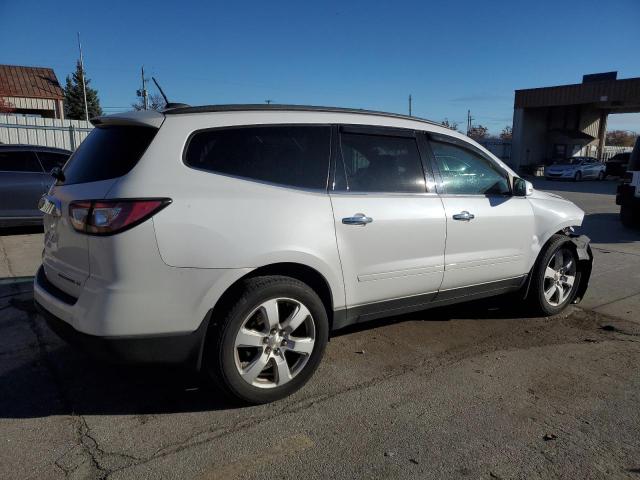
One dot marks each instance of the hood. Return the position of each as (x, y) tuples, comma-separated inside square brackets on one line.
[(562, 167), (539, 194)]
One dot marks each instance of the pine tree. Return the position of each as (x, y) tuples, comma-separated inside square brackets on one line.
[(74, 99)]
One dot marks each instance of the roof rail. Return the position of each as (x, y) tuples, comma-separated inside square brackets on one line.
[(282, 107)]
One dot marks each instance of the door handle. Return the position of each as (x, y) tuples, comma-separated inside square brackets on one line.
[(357, 219), (464, 215)]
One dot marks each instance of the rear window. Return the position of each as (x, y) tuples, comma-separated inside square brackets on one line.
[(296, 156), (51, 160), (108, 152), (19, 161)]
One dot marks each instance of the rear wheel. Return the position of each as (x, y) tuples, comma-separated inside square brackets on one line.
[(555, 278), (270, 342), (577, 177)]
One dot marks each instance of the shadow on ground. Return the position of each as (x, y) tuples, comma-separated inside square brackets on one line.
[(604, 187), (47, 377), (607, 228), (27, 230)]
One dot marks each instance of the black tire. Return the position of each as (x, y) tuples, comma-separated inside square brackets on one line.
[(601, 176), (536, 297), (220, 352), (628, 217), (577, 177)]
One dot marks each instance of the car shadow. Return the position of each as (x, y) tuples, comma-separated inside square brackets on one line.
[(46, 377), (601, 187), (501, 307), (607, 228), (23, 230)]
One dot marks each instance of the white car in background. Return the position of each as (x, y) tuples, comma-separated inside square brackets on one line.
[(576, 168), (236, 238)]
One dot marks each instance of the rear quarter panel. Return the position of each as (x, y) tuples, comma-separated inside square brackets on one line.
[(223, 222)]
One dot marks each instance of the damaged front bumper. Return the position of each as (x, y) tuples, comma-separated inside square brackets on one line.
[(585, 263)]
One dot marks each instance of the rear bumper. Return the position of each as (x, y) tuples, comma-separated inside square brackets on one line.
[(179, 349)]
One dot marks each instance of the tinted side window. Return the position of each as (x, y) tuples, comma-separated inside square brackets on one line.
[(380, 163), (108, 152), (465, 172), (51, 160), (297, 156), (19, 162)]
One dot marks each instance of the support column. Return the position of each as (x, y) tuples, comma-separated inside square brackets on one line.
[(602, 133)]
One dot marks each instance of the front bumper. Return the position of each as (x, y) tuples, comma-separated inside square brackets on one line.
[(560, 174), (180, 349), (585, 264)]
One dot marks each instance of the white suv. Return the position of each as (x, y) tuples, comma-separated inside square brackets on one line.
[(235, 238)]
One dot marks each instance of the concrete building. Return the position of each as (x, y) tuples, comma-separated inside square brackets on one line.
[(553, 123), (33, 91)]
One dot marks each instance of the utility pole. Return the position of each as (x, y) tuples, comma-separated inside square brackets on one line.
[(409, 104), (143, 93), (84, 86), (469, 121), (268, 102)]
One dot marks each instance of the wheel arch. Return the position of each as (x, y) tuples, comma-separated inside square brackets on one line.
[(306, 274), (580, 244)]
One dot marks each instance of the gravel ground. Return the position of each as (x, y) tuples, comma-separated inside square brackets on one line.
[(473, 391)]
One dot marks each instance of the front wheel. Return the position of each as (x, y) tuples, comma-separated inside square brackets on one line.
[(555, 278), (270, 342)]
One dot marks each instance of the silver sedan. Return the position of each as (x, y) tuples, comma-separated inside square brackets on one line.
[(576, 168)]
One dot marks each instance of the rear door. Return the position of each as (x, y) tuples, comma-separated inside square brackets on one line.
[(489, 231), (108, 153), (20, 184), (390, 229)]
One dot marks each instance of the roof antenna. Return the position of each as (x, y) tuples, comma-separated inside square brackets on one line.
[(160, 88), (168, 105)]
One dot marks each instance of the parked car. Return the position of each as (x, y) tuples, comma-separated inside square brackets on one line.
[(24, 178), (576, 168), (235, 238), (618, 164)]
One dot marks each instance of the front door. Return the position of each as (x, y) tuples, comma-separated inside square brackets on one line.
[(390, 230), (489, 231)]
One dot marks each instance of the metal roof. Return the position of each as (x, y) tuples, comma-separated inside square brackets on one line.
[(614, 94), (29, 82), (295, 108)]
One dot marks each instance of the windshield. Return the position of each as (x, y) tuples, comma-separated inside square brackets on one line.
[(569, 161)]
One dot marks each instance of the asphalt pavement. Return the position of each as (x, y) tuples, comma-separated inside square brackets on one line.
[(480, 390)]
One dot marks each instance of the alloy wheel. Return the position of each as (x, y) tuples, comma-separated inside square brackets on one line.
[(274, 342), (559, 277)]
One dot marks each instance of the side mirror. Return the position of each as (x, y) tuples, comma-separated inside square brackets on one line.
[(56, 172), (522, 187)]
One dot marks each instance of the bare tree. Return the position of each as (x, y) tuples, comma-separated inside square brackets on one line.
[(507, 133), (621, 138), (156, 102), (451, 125), (478, 132)]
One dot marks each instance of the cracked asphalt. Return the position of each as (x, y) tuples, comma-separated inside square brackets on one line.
[(480, 390)]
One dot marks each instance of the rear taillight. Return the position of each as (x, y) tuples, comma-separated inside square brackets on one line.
[(106, 217)]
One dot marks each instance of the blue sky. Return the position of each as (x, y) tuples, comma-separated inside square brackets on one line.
[(451, 56)]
